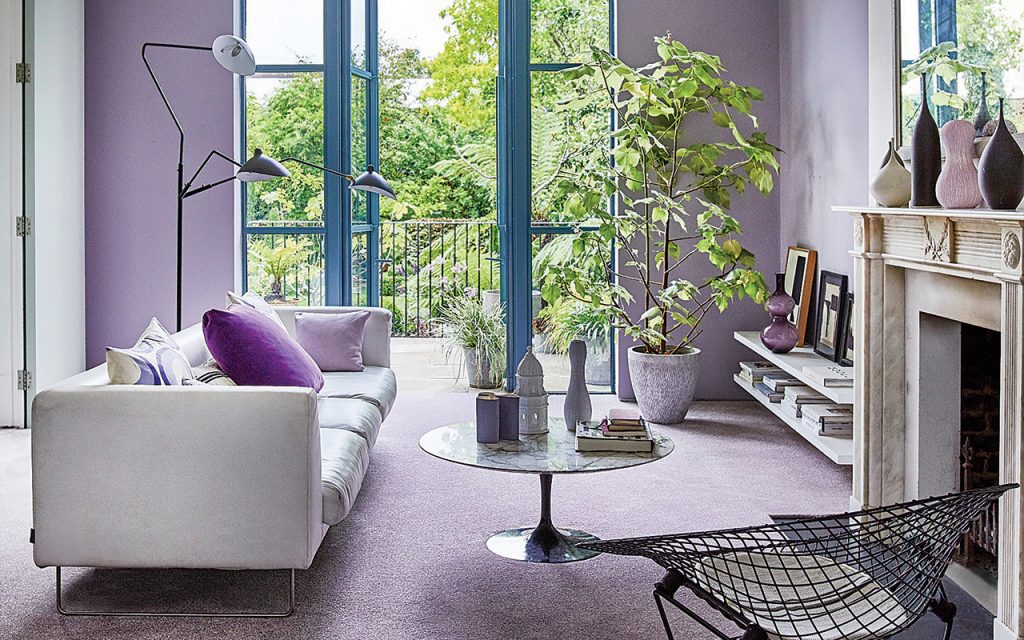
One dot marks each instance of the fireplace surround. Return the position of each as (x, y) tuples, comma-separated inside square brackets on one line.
[(919, 273)]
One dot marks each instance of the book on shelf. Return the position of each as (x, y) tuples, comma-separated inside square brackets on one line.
[(779, 381), (590, 437), (771, 394), (829, 413), (791, 407), (803, 395), (831, 430), (753, 371), (831, 375)]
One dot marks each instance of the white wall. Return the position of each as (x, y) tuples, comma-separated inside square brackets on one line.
[(57, 322)]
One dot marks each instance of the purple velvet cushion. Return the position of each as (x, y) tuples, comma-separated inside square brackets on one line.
[(252, 350), (334, 340)]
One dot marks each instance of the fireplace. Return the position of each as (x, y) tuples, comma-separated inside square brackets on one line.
[(939, 391)]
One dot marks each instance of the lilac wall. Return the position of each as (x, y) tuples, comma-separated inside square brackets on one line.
[(130, 182), (824, 78), (745, 33)]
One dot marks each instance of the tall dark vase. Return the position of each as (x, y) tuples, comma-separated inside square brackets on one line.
[(925, 155), (982, 116), (1001, 170)]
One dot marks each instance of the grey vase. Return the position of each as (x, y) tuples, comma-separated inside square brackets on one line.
[(1001, 169), (925, 155), (577, 406), (982, 116), (891, 185)]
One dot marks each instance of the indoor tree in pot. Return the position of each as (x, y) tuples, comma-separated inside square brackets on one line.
[(676, 182), (475, 333)]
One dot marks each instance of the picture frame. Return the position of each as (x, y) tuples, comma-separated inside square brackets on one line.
[(832, 289), (844, 356), (799, 283)]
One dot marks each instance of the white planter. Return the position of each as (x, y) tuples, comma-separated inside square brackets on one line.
[(663, 385)]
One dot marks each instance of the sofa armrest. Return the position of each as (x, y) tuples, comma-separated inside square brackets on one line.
[(186, 477), (376, 336)]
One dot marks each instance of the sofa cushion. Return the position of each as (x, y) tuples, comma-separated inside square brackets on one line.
[(257, 302), (254, 351), (333, 340), (344, 457), (156, 359), (376, 385), (350, 414)]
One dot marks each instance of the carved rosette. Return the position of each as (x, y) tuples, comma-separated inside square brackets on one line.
[(858, 234), (1011, 250)]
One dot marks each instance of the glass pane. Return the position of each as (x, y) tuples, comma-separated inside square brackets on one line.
[(358, 22), (284, 116), (564, 30), (285, 32), (360, 269), (985, 38), (428, 262), (286, 269), (570, 150), (556, 325)]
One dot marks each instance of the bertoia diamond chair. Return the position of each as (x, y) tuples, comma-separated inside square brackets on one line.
[(854, 576)]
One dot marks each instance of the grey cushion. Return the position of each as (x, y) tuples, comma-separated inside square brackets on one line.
[(376, 385), (344, 457), (357, 416)]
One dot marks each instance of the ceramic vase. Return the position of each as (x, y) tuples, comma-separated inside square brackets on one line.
[(508, 416), (487, 418), (891, 185), (577, 406), (925, 155), (957, 187), (982, 116), (1001, 170), (780, 336)]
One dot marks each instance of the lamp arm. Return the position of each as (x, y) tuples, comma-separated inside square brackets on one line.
[(209, 156), (316, 166), (205, 187), (163, 96)]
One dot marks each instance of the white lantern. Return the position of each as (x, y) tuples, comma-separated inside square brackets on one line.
[(533, 399)]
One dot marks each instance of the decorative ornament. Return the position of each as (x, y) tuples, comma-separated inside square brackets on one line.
[(780, 336), (891, 185), (533, 399), (982, 116), (1011, 250), (925, 155), (577, 407), (1001, 170), (957, 187)]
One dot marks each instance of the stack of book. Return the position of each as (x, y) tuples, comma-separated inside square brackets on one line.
[(829, 419), (795, 397), (753, 372), (622, 430), (830, 376), (773, 384)]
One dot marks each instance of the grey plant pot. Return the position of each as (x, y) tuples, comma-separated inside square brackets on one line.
[(664, 385), (481, 374)]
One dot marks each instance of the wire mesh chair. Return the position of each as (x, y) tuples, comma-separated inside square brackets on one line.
[(854, 576)]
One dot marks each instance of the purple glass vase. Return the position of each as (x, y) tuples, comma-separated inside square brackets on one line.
[(780, 336)]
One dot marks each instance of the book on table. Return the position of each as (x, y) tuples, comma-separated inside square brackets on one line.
[(590, 437), (623, 419), (831, 375)]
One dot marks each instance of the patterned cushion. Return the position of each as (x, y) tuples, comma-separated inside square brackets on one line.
[(155, 359), (257, 302), (210, 373)]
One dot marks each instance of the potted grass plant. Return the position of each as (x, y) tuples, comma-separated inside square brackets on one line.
[(676, 183), (474, 334)]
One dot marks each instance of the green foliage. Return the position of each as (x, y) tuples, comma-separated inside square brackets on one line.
[(570, 319), (277, 261), (676, 198), (941, 61)]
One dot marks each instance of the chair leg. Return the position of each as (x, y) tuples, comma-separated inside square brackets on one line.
[(664, 616), (755, 633), (945, 611)]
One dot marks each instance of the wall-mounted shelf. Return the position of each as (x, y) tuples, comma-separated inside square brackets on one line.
[(838, 450)]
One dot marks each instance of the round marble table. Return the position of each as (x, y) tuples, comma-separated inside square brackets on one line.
[(544, 454)]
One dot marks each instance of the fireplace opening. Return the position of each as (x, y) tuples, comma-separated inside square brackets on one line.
[(979, 440)]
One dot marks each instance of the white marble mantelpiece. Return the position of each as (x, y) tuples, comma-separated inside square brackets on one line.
[(953, 264)]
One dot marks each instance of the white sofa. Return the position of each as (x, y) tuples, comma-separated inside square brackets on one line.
[(203, 476)]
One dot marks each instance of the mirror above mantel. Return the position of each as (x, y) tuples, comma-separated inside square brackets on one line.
[(963, 46)]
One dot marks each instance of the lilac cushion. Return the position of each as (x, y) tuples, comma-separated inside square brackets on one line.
[(252, 350), (334, 340)]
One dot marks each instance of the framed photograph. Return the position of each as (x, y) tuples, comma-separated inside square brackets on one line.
[(845, 357), (800, 265), (831, 298)]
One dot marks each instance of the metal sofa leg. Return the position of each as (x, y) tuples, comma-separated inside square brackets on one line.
[(183, 614)]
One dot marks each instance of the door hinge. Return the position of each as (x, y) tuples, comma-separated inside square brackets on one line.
[(23, 226), (23, 73), (24, 380)]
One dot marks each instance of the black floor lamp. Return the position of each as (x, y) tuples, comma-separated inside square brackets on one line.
[(235, 55)]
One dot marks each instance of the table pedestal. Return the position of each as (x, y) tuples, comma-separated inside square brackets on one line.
[(543, 543)]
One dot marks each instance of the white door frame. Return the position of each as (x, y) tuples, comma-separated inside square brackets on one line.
[(12, 337)]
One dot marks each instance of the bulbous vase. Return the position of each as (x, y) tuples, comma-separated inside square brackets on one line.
[(1001, 170), (891, 185), (925, 155), (780, 336), (957, 187)]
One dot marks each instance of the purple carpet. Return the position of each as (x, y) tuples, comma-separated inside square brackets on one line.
[(410, 560)]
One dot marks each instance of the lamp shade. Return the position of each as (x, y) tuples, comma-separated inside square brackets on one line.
[(373, 182), (261, 167), (234, 55)]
